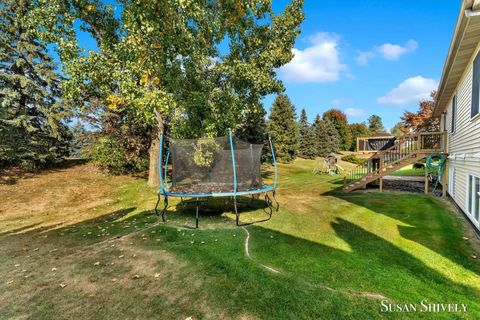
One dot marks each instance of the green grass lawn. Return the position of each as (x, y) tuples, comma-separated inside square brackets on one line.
[(409, 171), (103, 255)]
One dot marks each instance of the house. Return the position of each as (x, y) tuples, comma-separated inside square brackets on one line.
[(457, 106)]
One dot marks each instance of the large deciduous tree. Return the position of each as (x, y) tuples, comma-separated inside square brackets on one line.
[(283, 128), (339, 119), (159, 67), (422, 120), (32, 132), (307, 139)]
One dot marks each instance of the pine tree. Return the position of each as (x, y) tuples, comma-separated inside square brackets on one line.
[(81, 140), (306, 145), (327, 136), (283, 128), (339, 119), (375, 124), (253, 128), (31, 128)]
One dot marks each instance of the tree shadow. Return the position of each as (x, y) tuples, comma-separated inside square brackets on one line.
[(239, 286), (216, 207), (430, 224)]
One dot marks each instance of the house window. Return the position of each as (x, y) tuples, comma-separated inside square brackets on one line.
[(473, 199), (454, 112), (476, 86)]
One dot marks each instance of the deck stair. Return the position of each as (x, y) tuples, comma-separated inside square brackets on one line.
[(406, 150)]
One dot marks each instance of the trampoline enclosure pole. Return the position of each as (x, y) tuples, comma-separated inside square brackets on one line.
[(234, 176), (166, 166), (233, 163), (274, 163), (160, 155)]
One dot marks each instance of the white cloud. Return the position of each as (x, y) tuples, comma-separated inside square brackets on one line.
[(353, 112), (394, 51), (411, 90), (364, 56), (320, 62), (387, 51), (336, 102)]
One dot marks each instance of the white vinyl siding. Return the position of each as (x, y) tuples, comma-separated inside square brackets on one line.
[(454, 113), (464, 140)]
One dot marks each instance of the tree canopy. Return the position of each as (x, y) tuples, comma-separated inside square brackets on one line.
[(422, 119), (32, 117), (159, 66), (339, 119)]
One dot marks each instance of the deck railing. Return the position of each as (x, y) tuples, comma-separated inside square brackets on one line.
[(402, 148)]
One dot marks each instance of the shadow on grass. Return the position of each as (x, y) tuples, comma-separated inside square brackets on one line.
[(232, 284), (429, 222), (216, 207)]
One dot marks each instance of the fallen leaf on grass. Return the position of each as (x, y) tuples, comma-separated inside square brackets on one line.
[(54, 269), (157, 275), (97, 263), (136, 276), (36, 249), (62, 285), (10, 282)]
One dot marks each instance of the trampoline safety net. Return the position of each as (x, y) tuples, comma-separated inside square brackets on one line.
[(205, 165)]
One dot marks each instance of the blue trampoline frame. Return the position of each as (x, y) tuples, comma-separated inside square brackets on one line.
[(164, 187)]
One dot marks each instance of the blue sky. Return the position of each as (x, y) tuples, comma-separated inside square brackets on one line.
[(368, 56), (364, 56)]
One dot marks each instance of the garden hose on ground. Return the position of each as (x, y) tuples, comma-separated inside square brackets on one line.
[(435, 167)]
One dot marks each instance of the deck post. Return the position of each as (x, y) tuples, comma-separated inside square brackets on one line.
[(380, 171), (358, 144), (445, 141), (426, 182)]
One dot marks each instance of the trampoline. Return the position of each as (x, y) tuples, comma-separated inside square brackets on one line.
[(213, 167)]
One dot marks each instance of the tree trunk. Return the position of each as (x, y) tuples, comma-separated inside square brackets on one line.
[(154, 153)]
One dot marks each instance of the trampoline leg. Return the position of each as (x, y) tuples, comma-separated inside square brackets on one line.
[(269, 204), (196, 215), (236, 210), (275, 199), (156, 206), (164, 208)]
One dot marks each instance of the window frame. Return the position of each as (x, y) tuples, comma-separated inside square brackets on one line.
[(475, 102), (473, 197), (451, 181)]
